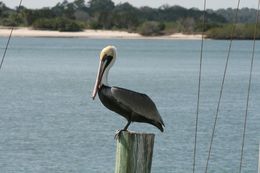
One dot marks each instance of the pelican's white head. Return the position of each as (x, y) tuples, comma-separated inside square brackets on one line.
[(107, 59)]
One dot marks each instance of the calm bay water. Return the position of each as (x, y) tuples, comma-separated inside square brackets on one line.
[(49, 123)]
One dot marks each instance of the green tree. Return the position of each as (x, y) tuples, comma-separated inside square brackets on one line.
[(80, 4), (125, 16), (151, 28), (99, 6), (60, 24), (100, 11)]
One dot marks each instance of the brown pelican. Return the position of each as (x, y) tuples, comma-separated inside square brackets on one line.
[(134, 106)]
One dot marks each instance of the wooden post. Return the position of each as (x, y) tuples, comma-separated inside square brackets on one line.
[(134, 153)]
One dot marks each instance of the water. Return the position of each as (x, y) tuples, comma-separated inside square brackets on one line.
[(49, 123)]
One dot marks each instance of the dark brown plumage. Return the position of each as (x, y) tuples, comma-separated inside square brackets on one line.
[(134, 106)]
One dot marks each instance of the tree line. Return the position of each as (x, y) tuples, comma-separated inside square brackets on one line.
[(105, 14)]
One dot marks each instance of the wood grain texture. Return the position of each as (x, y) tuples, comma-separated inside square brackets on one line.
[(134, 153)]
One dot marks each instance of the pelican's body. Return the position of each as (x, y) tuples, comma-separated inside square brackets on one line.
[(134, 106)]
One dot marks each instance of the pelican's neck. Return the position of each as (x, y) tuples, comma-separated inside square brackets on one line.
[(104, 80), (105, 76)]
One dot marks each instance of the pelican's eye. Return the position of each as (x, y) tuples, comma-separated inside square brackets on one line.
[(104, 58)]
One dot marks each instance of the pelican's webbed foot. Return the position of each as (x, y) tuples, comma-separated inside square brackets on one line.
[(118, 133)]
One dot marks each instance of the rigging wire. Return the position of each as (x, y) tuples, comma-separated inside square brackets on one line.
[(222, 85), (249, 88), (9, 38), (199, 87)]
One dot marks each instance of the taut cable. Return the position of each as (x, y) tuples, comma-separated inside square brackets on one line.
[(10, 35)]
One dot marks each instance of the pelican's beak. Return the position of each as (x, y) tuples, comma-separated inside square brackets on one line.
[(98, 79)]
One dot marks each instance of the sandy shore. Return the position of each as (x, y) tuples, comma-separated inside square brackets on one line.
[(101, 34)]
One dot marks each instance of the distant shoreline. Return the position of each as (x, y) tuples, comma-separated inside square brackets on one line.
[(98, 34)]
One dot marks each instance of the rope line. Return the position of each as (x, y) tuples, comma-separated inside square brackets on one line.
[(199, 87), (222, 86), (9, 38), (249, 88)]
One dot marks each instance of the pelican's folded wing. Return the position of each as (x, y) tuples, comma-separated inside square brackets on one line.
[(137, 102)]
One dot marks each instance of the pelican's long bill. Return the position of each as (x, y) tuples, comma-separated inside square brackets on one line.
[(98, 79), (107, 58)]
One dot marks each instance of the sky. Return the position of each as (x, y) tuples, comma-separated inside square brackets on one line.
[(212, 4)]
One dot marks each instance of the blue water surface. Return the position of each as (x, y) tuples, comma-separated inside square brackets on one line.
[(49, 123)]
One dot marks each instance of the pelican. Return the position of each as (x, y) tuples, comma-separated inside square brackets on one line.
[(134, 106)]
